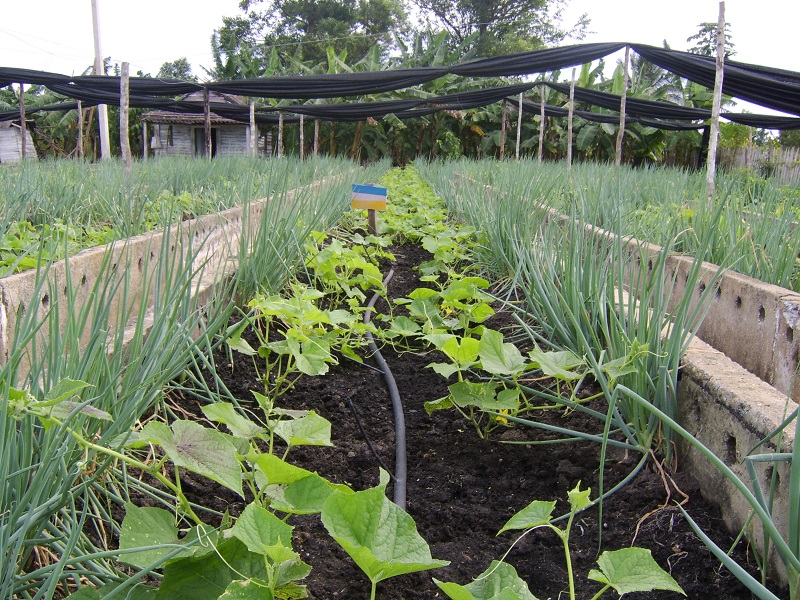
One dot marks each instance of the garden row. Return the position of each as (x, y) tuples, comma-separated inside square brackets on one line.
[(576, 328)]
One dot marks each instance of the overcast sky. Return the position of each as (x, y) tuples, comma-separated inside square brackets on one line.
[(56, 35)]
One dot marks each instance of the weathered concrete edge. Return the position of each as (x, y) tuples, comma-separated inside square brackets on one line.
[(729, 410)]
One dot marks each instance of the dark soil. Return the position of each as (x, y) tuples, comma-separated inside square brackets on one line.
[(461, 489)]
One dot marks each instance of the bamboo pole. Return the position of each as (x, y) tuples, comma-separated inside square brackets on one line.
[(124, 117), (519, 125), (541, 124), (280, 134), (621, 132), (711, 163), (503, 131), (316, 137), (207, 123), (145, 140), (23, 126), (569, 121), (253, 130)]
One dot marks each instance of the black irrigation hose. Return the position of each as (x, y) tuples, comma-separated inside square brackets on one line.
[(400, 460)]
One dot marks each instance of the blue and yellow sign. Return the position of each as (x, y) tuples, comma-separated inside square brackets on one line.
[(367, 196)]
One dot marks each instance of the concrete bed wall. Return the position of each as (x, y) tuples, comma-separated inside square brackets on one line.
[(211, 242), (739, 380)]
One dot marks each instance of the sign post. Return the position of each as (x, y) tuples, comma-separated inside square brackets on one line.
[(372, 198)]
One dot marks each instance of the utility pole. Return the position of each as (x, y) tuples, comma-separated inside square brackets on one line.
[(105, 144)]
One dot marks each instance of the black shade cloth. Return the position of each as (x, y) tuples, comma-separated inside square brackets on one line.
[(536, 61), (772, 88), (305, 87), (634, 106), (10, 115), (534, 108)]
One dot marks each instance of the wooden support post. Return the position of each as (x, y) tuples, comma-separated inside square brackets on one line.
[(145, 140), (541, 124), (124, 116), (711, 163), (503, 131), (253, 130), (569, 121), (316, 137), (621, 132), (280, 134), (519, 125), (80, 130), (23, 126), (207, 123), (302, 139)]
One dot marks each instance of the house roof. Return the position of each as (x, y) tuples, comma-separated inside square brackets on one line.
[(167, 117)]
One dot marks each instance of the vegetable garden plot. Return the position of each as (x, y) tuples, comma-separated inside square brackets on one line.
[(289, 338)]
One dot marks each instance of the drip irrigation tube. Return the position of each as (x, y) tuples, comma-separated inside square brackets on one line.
[(400, 460)]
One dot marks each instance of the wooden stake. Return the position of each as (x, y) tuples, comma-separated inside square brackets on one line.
[(541, 124), (23, 126), (253, 130), (519, 124), (711, 163), (207, 123), (316, 137), (621, 132), (569, 122), (80, 130), (280, 134), (124, 116), (145, 141), (372, 221), (503, 131), (302, 139)]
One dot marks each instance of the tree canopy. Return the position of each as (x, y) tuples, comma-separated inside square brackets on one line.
[(303, 31), (503, 26)]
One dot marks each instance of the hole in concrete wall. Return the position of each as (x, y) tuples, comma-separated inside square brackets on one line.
[(113, 267), (701, 288), (140, 264), (789, 335), (21, 308), (45, 300), (718, 293), (685, 278), (768, 476), (650, 265), (730, 450), (84, 280), (762, 314), (152, 255), (738, 302)]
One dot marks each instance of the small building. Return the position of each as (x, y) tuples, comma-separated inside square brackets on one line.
[(11, 143), (182, 134)]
